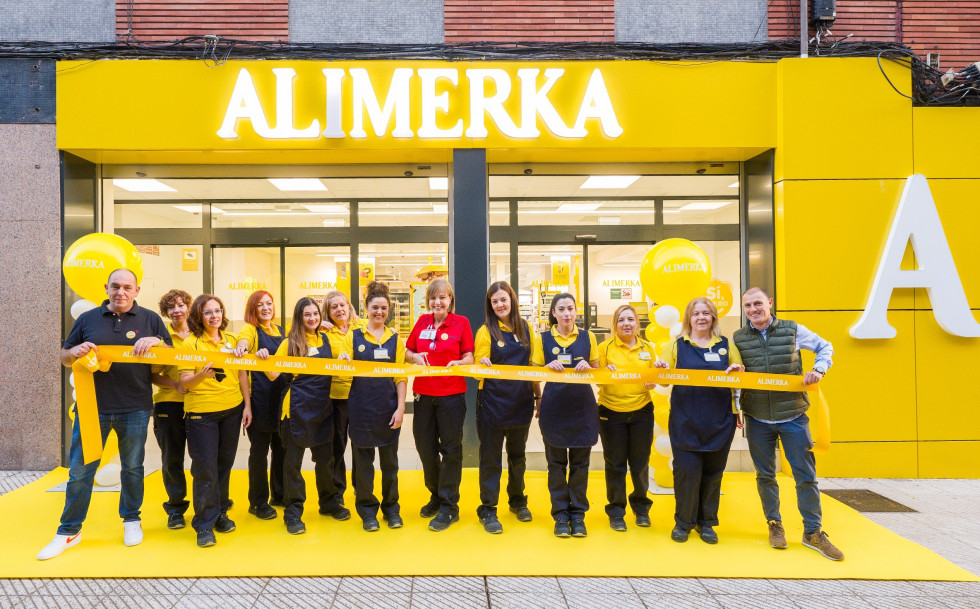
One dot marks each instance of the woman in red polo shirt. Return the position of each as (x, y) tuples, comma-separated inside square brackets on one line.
[(440, 338)]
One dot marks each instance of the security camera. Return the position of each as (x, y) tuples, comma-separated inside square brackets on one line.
[(701, 171), (528, 171), (409, 174)]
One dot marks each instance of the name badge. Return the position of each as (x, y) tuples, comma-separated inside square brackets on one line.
[(565, 359), (427, 334), (712, 357), (380, 354), (313, 351), (645, 356)]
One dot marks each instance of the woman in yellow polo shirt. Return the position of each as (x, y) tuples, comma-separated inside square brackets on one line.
[(626, 421), (307, 420), (504, 409), (216, 405), (702, 420), (568, 417), (264, 477)]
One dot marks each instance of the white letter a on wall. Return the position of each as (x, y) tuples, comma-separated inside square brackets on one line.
[(917, 220)]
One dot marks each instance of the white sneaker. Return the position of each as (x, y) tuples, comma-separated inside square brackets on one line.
[(59, 544), (132, 533)]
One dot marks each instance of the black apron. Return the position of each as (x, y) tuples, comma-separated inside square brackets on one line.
[(701, 418), (310, 409), (569, 414), (372, 401), (507, 404), (267, 395)]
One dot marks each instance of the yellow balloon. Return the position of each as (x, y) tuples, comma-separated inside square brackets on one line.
[(650, 332), (721, 294), (663, 477), (658, 461), (674, 271), (660, 402), (661, 416), (89, 260)]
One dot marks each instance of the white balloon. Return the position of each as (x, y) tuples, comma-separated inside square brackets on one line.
[(662, 445), (676, 329), (666, 316), (657, 430), (662, 390), (670, 464), (71, 379), (73, 398), (80, 306), (108, 474)]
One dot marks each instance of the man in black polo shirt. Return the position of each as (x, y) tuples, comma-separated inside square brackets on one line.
[(125, 399)]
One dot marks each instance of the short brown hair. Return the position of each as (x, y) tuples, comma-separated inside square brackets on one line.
[(689, 311), (195, 317), (169, 300), (436, 285)]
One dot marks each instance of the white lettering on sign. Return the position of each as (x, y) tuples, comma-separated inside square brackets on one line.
[(85, 263), (535, 104), (917, 221)]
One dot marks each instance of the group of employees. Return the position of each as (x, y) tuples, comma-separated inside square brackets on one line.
[(202, 408)]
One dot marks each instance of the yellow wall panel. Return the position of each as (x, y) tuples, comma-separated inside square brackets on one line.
[(871, 388), (829, 238), (946, 142), (946, 382), (949, 460), (838, 118), (869, 460)]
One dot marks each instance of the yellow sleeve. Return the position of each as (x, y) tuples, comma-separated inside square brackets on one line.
[(734, 357), (250, 335), (283, 348), (603, 350), (669, 353), (400, 359), (481, 344), (537, 349), (594, 350)]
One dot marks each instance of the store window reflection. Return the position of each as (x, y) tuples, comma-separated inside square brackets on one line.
[(315, 271), (239, 271), (167, 267), (407, 269), (546, 270)]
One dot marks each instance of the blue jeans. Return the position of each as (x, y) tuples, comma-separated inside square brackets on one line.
[(797, 445), (131, 431)]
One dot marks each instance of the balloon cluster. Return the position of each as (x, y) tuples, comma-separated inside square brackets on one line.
[(672, 273), (87, 264)]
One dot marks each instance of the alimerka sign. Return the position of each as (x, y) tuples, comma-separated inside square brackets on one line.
[(917, 222), (387, 105)]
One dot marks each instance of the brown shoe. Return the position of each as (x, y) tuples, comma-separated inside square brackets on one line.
[(777, 536), (819, 541)]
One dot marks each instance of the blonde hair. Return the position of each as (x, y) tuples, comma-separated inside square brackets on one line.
[(715, 324), (325, 313), (440, 285), (619, 311)]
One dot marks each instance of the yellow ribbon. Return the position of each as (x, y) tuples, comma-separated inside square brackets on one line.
[(87, 409)]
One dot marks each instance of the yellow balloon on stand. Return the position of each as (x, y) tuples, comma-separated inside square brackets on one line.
[(674, 271), (661, 416), (663, 477), (650, 331), (89, 260)]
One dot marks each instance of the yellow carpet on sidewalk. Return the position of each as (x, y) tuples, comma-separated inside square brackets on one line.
[(331, 548)]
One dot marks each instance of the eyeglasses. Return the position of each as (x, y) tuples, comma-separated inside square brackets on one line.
[(212, 313)]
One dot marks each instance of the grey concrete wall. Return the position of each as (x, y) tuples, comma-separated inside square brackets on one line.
[(58, 20), (380, 21), (667, 21), (30, 281)]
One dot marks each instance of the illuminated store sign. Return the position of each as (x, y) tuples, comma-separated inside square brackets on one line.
[(489, 92)]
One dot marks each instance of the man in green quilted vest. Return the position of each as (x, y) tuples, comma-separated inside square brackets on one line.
[(772, 345)]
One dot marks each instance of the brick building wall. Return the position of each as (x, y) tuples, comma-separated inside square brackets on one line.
[(163, 20), (524, 20), (951, 29)]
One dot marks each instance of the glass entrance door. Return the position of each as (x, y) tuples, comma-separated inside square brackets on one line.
[(239, 271)]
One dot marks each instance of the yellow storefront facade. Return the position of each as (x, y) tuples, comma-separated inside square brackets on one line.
[(842, 134)]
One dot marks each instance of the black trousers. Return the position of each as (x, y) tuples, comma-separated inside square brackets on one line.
[(492, 441), (263, 476), (212, 440), (697, 486), (568, 481), (365, 502), (341, 423), (627, 438), (438, 429), (294, 487), (168, 427)]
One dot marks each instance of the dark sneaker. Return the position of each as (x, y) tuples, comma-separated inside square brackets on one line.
[(394, 521), (371, 525), (578, 528), (777, 536), (442, 521), (679, 534), (562, 529), (617, 523), (205, 538), (295, 527), (430, 509), (264, 511), (338, 513), (643, 520), (224, 524), (175, 521), (523, 514), (491, 524), (707, 534), (819, 541)]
